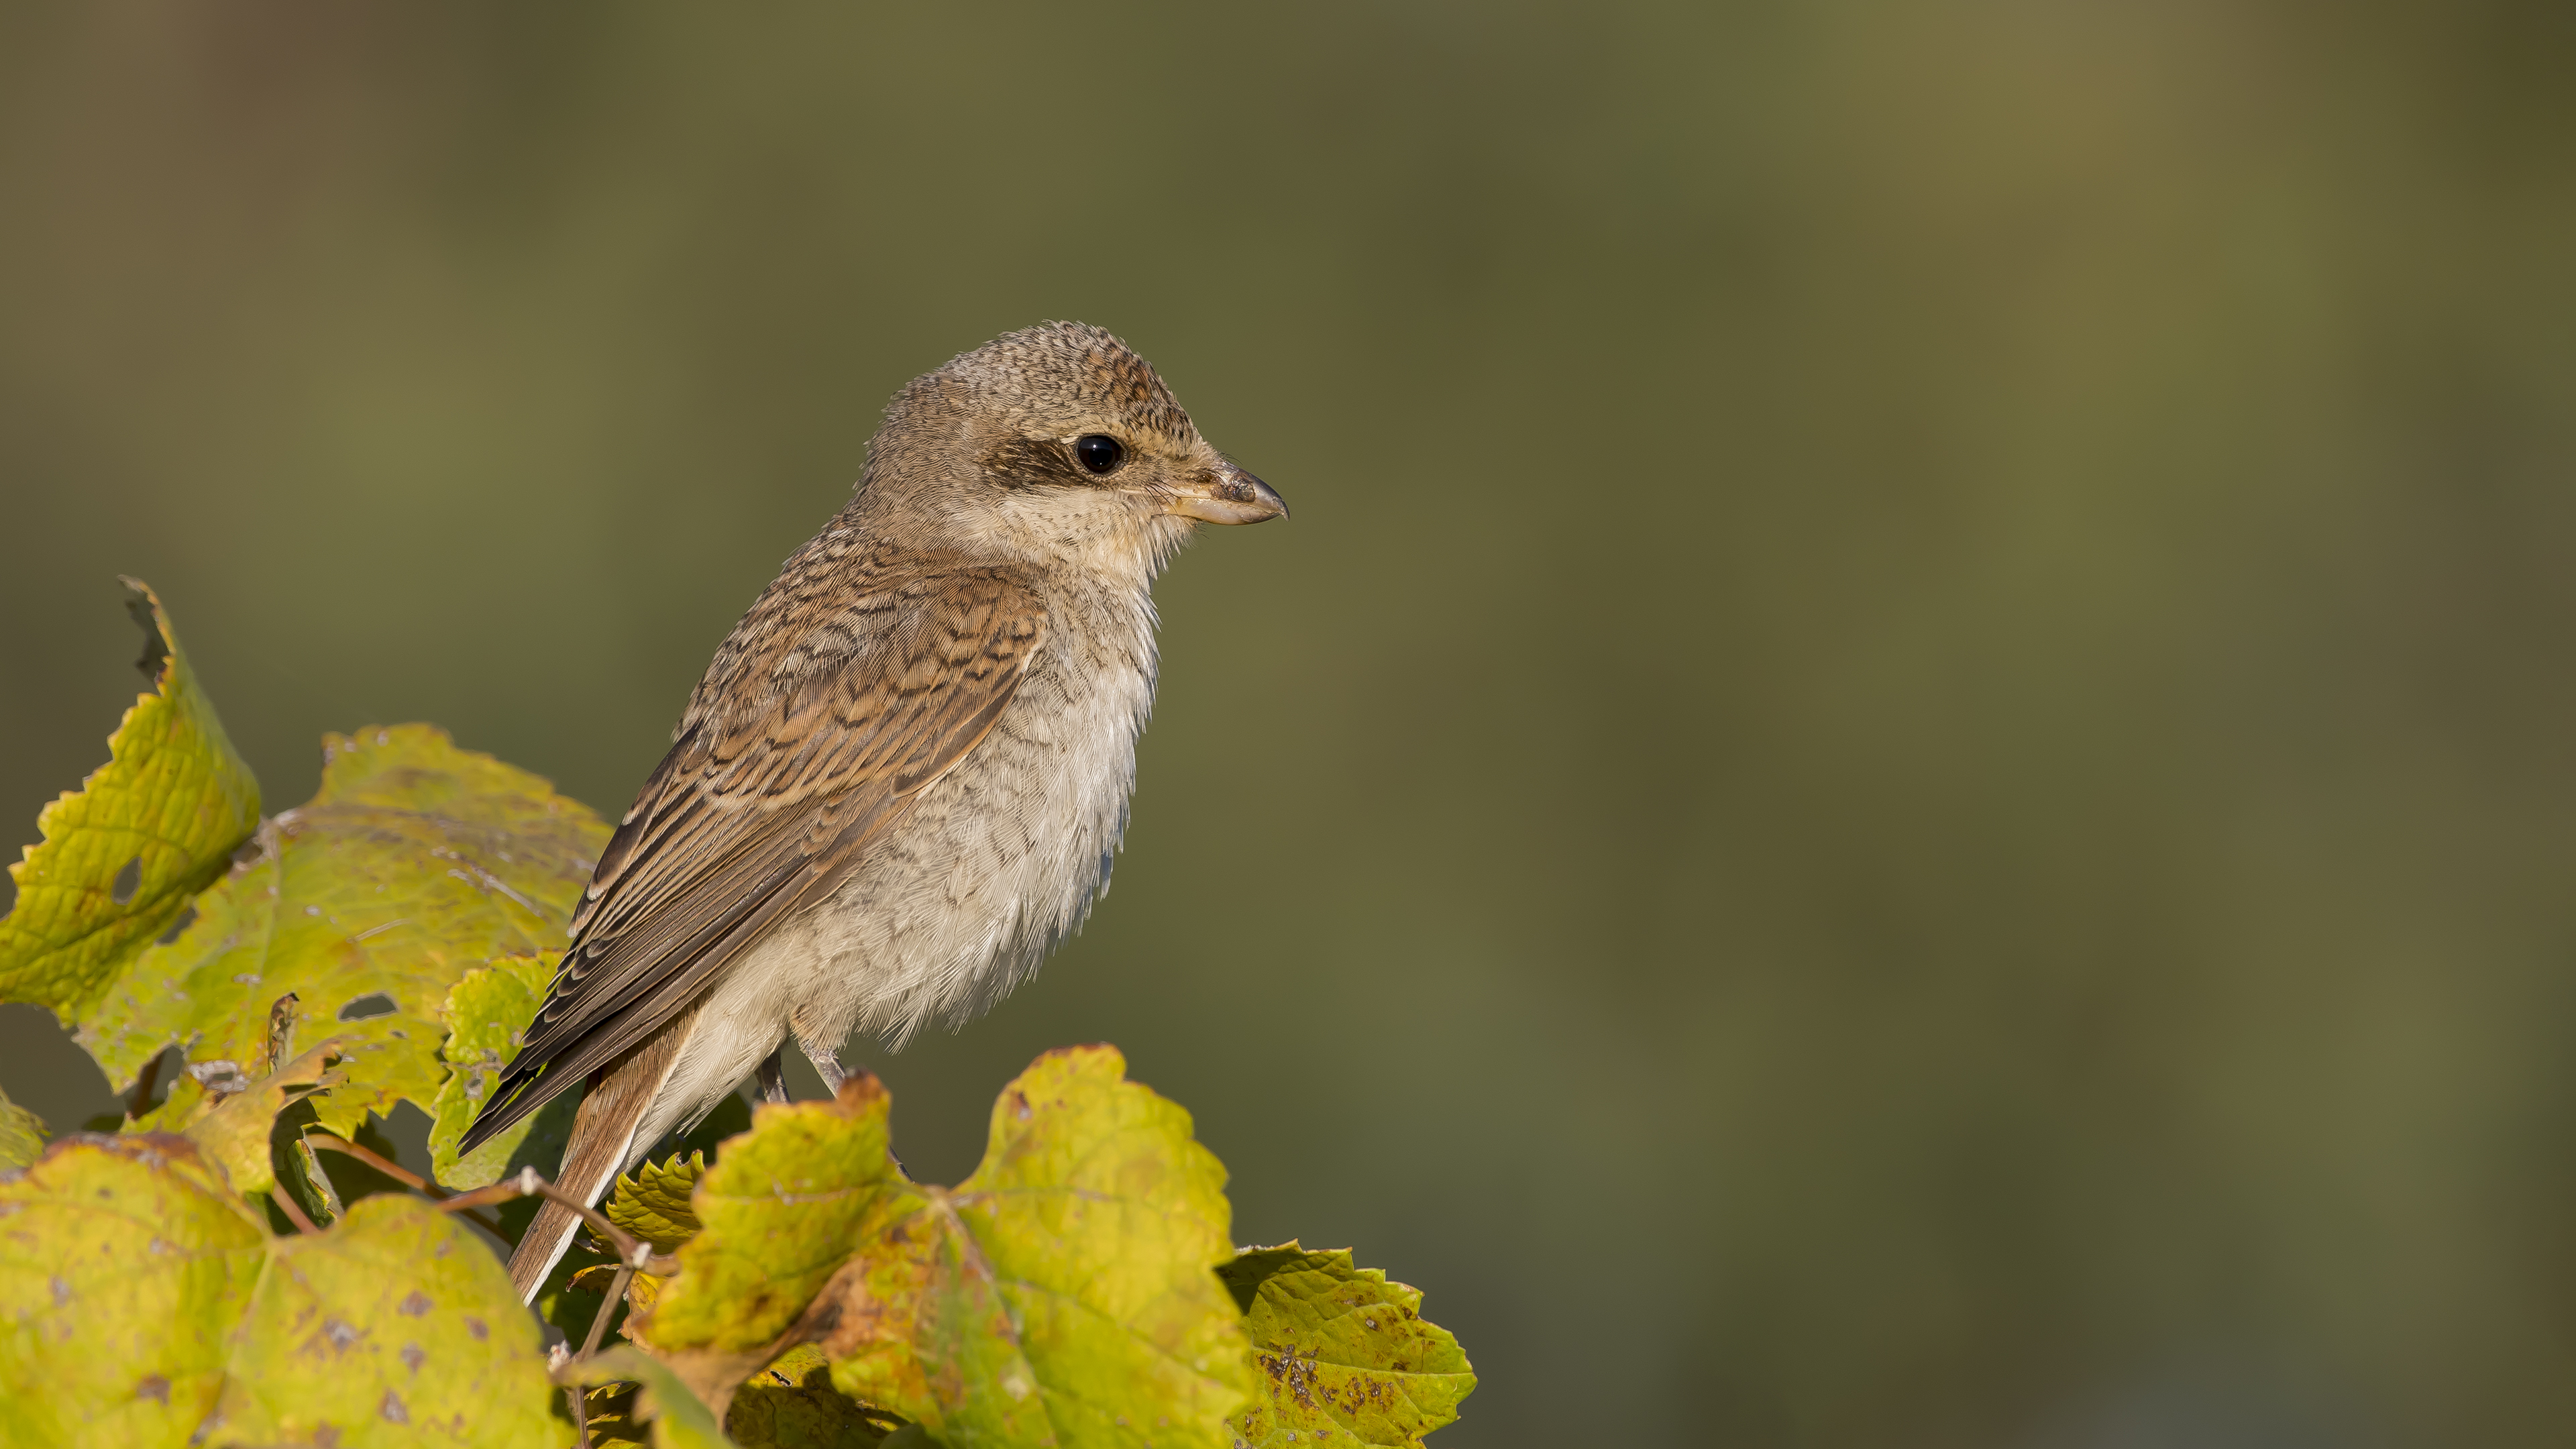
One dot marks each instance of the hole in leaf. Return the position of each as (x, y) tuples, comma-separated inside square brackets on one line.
[(373, 1004), (152, 1086), (127, 882), (187, 918)]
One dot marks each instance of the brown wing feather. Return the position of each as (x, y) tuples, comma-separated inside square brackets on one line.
[(766, 806)]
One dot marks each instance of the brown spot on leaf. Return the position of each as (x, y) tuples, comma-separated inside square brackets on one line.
[(418, 1304), (413, 1357), (392, 1410), (154, 1387), (474, 1325)]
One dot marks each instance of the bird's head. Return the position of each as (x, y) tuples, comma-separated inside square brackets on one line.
[(1055, 444)]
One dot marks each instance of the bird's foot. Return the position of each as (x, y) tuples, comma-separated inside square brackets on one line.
[(773, 1079)]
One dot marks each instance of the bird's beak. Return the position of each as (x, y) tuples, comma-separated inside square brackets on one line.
[(1226, 494)]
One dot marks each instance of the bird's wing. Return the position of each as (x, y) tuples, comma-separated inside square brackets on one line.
[(768, 804)]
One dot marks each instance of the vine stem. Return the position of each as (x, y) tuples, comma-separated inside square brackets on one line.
[(578, 1400), (631, 1250), (286, 1204), (405, 1176)]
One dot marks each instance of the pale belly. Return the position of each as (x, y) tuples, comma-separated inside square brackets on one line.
[(998, 861)]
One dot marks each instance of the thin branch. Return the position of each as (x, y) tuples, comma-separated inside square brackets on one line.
[(641, 1253), (396, 1171), (286, 1204), (405, 1176), (630, 1249), (576, 1397), (607, 1305)]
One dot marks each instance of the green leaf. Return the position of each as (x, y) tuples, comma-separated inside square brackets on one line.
[(1094, 1222), (680, 1419), (486, 1012), (22, 1136), (781, 1207), (415, 863), (1344, 1354), (235, 1135), (138, 1295), (792, 1405), (395, 1324), (299, 1172), (124, 1264), (169, 806), (653, 1203), (1063, 1295)]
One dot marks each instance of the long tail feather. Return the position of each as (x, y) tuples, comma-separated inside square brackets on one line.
[(603, 1143)]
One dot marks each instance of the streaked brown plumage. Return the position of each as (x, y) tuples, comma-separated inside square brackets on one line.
[(903, 775)]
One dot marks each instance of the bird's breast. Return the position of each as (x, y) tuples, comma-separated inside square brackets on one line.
[(1002, 857)]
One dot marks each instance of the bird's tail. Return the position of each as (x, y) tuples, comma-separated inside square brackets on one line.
[(603, 1140)]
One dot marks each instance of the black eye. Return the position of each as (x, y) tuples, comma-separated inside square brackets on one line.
[(1099, 452)]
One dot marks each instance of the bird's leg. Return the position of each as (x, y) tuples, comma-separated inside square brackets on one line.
[(827, 1063), (773, 1078)]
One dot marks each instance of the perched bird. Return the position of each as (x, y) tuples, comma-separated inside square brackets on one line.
[(902, 779)]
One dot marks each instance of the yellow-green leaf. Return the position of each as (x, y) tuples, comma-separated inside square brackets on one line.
[(22, 1136), (396, 1325), (486, 1012), (415, 863), (1064, 1295), (122, 855), (235, 1135), (144, 1305), (1094, 1224), (792, 1405), (1345, 1356), (653, 1202), (781, 1210), (679, 1419), (125, 1263)]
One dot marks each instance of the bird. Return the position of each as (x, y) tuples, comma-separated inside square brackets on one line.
[(905, 774)]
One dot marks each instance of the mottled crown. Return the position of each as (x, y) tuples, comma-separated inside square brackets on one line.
[(1069, 368)]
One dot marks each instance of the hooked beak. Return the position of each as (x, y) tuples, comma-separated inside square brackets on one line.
[(1226, 494)]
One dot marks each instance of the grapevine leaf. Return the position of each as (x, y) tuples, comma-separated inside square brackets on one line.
[(1093, 1224), (414, 864), (1062, 1295), (143, 1303), (122, 856), (486, 1012), (396, 1319), (22, 1136), (680, 1420), (125, 1264), (653, 1202), (235, 1135), (781, 1209), (792, 1405), (1345, 1355)]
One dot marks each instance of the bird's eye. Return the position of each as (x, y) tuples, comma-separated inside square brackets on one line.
[(1099, 452)]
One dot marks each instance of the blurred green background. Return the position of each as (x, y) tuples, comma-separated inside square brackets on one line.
[(1908, 778)]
